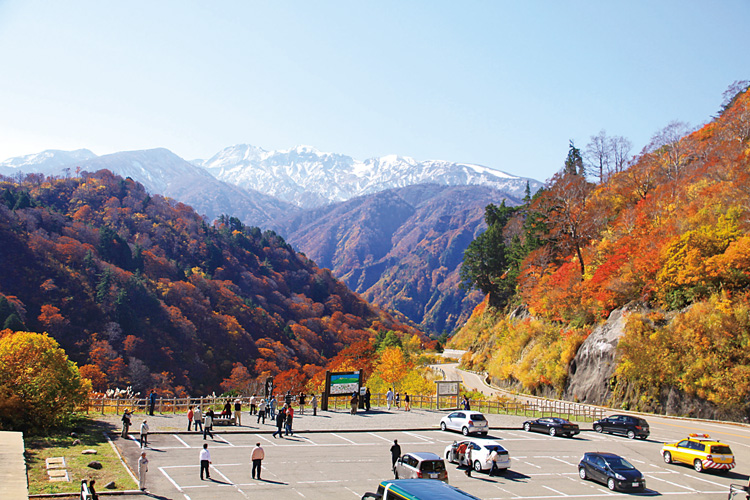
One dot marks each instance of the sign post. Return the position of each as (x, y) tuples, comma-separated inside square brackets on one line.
[(450, 389), (341, 384)]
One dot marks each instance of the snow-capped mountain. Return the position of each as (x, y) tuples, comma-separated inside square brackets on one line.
[(161, 172), (308, 178)]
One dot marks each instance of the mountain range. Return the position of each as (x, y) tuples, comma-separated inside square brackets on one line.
[(392, 228)]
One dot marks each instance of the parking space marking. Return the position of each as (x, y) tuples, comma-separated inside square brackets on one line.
[(530, 464), (674, 484), (355, 493), (345, 439), (223, 439), (260, 436), (419, 437), (707, 481), (308, 439), (560, 493), (379, 437), (178, 438), (170, 479), (561, 460)]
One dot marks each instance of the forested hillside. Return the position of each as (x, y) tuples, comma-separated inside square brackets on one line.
[(667, 235), (401, 248), (140, 290)]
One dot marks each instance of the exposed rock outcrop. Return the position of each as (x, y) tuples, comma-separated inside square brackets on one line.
[(594, 364)]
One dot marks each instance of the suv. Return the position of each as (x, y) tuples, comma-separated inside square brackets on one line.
[(420, 466), (632, 427), (700, 452)]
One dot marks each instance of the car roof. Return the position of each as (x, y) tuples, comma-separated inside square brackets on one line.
[(604, 454), (426, 488), (424, 455)]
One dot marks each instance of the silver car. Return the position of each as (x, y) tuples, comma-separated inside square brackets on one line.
[(420, 465), (468, 422)]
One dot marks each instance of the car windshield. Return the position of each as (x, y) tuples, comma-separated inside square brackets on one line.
[(432, 466), (560, 421), (477, 416), (721, 449), (619, 463)]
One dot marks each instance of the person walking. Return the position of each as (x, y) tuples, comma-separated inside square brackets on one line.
[(205, 458), (272, 406), (190, 417), (208, 424), (389, 398), (144, 434), (314, 403), (469, 461), (280, 417), (92, 490), (142, 470), (466, 404), (151, 403), (367, 399), (397, 401), (407, 402), (257, 457), (493, 458), (125, 423), (253, 404), (238, 411), (198, 418), (288, 398), (262, 411), (354, 402), (395, 454), (289, 420), (301, 400)]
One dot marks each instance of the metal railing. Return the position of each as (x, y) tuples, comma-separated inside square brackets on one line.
[(538, 408)]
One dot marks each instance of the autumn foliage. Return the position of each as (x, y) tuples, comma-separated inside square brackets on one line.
[(671, 230), (142, 291)]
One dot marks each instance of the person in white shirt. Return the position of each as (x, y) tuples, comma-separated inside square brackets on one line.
[(198, 418), (257, 457), (144, 434), (142, 470), (389, 398), (493, 458), (205, 458)]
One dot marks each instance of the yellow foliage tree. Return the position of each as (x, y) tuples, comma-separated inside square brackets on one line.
[(39, 386), (392, 366)]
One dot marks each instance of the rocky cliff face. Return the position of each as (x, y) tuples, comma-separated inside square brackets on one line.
[(594, 364)]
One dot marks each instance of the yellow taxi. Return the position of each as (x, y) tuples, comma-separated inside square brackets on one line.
[(701, 452)]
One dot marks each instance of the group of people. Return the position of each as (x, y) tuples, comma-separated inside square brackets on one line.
[(394, 400), (285, 420)]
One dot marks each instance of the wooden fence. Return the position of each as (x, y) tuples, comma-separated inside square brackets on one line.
[(537, 408)]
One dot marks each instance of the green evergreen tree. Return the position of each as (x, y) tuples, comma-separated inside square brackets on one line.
[(13, 322), (574, 161)]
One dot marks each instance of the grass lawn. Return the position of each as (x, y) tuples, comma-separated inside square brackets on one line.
[(91, 434)]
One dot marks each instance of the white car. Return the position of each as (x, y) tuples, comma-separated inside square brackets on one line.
[(468, 422), (480, 454)]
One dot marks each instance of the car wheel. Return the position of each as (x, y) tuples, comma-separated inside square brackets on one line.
[(611, 484), (698, 465), (582, 473), (667, 457), (442, 426), (465, 431), (552, 431), (631, 435), (598, 428), (527, 427), (477, 466)]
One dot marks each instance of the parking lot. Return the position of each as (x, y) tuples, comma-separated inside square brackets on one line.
[(346, 464)]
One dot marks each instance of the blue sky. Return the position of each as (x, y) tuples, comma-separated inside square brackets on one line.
[(502, 84)]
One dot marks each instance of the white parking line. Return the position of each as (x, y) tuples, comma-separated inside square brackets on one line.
[(178, 438), (674, 484), (379, 437), (555, 491), (355, 493), (561, 460), (342, 437), (220, 437), (308, 439), (707, 481), (419, 437), (217, 471), (170, 479), (265, 439)]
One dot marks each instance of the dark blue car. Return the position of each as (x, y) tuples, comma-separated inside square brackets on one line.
[(612, 470)]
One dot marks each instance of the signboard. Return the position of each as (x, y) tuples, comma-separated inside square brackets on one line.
[(447, 388), (344, 383)]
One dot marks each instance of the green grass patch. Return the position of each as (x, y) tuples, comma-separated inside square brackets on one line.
[(60, 444)]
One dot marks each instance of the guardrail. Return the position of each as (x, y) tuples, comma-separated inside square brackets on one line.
[(540, 408)]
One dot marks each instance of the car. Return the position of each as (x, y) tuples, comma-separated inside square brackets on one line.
[(468, 422), (481, 449), (417, 489), (700, 451), (612, 470), (553, 426), (420, 465), (632, 427)]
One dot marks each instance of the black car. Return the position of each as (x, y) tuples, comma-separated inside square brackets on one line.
[(612, 470), (553, 426), (632, 427)]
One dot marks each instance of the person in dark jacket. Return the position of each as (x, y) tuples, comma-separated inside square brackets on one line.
[(395, 454), (280, 418)]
